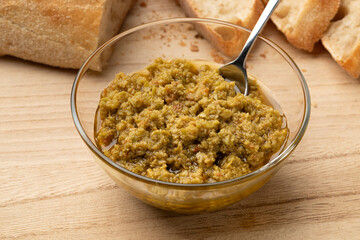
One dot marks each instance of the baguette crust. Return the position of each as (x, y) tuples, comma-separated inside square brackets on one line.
[(59, 33), (304, 22), (342, 39), (228, 40)]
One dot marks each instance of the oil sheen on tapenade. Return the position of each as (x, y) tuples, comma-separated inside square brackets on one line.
[(180, 122)]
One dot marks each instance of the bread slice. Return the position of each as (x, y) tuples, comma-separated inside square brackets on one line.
[(342, 39), (242, 12), (304, 21), (59, 33)]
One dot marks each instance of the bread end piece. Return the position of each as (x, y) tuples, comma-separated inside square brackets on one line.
[(57, 33), (226, 39), (342, 39), (304, 22)]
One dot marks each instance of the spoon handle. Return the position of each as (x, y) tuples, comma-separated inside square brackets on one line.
[(270, 7)]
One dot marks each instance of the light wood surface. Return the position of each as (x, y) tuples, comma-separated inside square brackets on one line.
[(50, 187)]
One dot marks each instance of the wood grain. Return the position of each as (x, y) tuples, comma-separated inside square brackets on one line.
[(52, 189)]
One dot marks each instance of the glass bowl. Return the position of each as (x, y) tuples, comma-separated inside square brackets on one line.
[(136, 48)]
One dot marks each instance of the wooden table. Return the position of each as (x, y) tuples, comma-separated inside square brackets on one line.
[(51, 188)]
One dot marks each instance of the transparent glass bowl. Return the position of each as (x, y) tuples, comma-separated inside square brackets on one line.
[(136, 48)]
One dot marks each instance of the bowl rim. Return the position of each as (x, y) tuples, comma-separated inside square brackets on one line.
[(271, 164)]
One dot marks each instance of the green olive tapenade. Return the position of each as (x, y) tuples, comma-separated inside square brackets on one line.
[(180, 122)]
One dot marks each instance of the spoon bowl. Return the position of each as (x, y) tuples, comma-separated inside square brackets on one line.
[(236, 70)]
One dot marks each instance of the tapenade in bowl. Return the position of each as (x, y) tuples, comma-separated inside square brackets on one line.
[(164, 124)]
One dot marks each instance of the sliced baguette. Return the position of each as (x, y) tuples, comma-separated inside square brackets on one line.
[(59, 33), (304, 21), (244, 13), (342, 39)]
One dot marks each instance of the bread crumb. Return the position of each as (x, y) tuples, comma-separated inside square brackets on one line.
[(263, 55), (198, 35), (194, 48), (303, 70), (216, 56), (314, 105), (143, 4), (182, 43)]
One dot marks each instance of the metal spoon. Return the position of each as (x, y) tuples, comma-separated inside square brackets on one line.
[(236, 70)]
